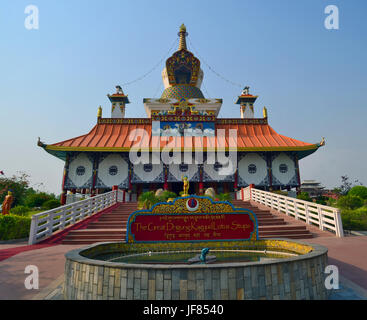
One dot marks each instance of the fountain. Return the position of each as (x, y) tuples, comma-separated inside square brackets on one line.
[(165, 256)]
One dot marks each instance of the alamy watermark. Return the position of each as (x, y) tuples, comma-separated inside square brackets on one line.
[(221, 150), (31, 22), (31, 282), (332, 280), (332, 20)]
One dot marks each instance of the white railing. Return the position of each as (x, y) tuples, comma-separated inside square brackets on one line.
[(45, 224), (325, 217)]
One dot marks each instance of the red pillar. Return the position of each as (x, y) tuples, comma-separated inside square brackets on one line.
[(63, 194), (165, 186), (235, 185), (63, 198), (201, 183)]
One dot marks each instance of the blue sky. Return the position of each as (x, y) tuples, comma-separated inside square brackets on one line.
[(312, 80)]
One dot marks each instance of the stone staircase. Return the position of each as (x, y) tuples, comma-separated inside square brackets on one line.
[(272, 226), (111, 226)]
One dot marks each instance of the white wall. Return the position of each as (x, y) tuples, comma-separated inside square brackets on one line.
[(283, 178), (105, 165), (261, 168), (80, 161)]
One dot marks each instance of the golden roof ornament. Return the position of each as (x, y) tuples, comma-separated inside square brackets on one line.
[(182, 34), (322, 142), (265, 112), (99, 113)]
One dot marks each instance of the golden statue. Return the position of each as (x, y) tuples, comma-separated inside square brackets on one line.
[(7, 203), (186, 186)]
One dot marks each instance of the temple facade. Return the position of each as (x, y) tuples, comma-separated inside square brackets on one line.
[(181, 136)]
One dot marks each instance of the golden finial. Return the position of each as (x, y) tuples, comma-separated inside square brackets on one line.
[(265, 112), (99, 113), (183, 34), (322, 142), (183, 28)]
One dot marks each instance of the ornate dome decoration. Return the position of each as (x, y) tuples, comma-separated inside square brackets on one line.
[(182, 67), (183, 91)]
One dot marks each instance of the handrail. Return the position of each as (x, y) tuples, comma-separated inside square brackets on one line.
[(325, 217), (45, 224)]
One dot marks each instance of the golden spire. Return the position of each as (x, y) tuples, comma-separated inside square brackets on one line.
[(99, 113), (183, 34), (265, 112)]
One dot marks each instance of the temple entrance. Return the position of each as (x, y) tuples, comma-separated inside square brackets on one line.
[(176, 187)]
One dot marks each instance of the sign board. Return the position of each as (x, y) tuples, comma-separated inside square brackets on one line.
[(192, 218)]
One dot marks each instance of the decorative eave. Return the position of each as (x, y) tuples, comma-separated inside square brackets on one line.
[(246, 98), (118, 98)]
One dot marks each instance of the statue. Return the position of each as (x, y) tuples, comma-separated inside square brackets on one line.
[(186, 186), (7, 203), (203, 257), (246, 91)]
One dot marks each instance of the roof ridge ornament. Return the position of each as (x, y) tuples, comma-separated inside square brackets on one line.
[(119, 90), (246, 91)]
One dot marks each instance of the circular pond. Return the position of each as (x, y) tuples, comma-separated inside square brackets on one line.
[(264, 269)]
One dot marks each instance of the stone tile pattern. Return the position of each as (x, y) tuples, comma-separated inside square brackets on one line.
[(290, 280)]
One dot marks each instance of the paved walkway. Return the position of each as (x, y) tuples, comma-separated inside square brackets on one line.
[(50, 262), (348, 254)]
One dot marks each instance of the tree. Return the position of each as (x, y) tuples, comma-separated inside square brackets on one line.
[(18, 185), (347, 185), (358, 191), (350, 202), (304, 196)]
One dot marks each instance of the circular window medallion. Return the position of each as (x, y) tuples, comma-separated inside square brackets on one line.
[(252, 169), (113, 170), (217, 166), (192, 204), (283, 168), (80, 171)]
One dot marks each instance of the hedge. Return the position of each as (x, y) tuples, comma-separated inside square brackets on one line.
[(355, 219), (14, 227)]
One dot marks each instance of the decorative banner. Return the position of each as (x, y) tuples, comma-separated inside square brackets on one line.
[(190, 219), (184, 128)]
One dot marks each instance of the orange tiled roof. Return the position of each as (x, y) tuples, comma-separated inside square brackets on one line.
[(117, 137)]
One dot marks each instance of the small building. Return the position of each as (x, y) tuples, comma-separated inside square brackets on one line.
[(313, 188), (181, 135)]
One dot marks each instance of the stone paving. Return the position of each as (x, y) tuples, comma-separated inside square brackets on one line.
[(347, 253)]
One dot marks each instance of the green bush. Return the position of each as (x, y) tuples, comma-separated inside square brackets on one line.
[(322, 200), (354, 219), (304, 196), (51, 204), (20, 210), (14, 227), (38, 199), (166, 195), (147, 199), (358, 191), (349, 202), (224, 197)]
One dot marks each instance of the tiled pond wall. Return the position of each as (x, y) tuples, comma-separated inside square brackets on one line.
[(300, 277)]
